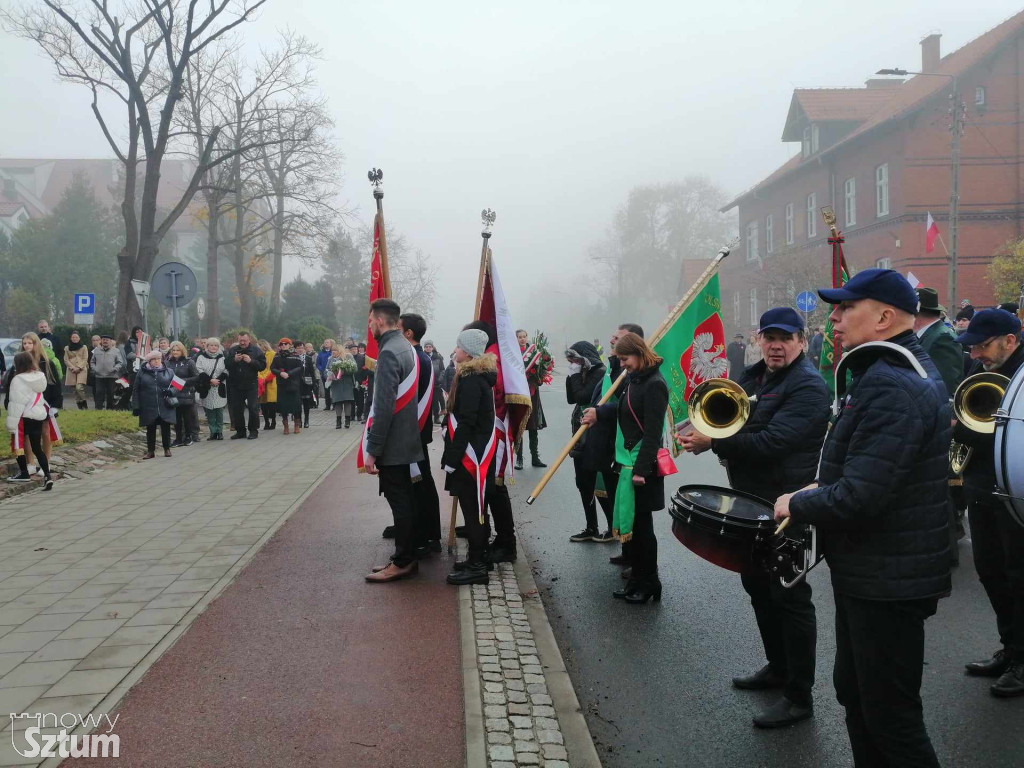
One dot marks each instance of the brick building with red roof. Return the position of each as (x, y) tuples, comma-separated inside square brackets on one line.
[(880, 156)]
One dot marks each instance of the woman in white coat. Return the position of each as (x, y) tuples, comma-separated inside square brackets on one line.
[(27, 417), (211, 387)]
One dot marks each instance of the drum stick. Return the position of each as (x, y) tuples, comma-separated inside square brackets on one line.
[(451, 525), (783, 525)]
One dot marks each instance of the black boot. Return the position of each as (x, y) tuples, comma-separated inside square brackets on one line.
[(474, 572), (993, 667), (519, 458), (1011, 683), (782, 713), (537, 462), (337, 423), (503, 552), (644, 591), (348, 421)]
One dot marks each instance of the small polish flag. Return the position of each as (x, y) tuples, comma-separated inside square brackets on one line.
[(122, 382), (178, 383), (931, 234), (912, 279)]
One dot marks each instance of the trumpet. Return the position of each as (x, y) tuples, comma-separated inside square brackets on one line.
[(719, 407), (975, 403)]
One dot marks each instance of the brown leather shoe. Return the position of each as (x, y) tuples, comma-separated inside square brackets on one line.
[(297, 428), (393, 572), (149, 456), (167, 453), (285, 430)]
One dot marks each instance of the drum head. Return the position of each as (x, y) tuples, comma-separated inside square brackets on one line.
[(1009, 447), (721, 525)]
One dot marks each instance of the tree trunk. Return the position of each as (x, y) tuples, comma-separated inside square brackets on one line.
[(275, 290), (212, 278)]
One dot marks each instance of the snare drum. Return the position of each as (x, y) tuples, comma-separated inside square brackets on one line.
[(1009, 447), (721, 525)]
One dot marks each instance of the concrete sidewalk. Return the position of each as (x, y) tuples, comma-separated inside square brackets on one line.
[(100, 575)]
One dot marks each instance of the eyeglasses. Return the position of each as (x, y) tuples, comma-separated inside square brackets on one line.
[(982, 346)]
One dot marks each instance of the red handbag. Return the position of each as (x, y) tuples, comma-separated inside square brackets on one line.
[(664, 464)]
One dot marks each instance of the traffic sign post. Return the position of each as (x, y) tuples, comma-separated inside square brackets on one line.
[(85, 308), (141, 290), (806, 302), (174, 286)]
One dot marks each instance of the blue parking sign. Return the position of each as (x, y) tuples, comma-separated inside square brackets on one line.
[(85, 303)]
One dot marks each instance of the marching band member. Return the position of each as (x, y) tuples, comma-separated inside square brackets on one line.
[(469, 447), (776, 452), (880, 507), (993, 339)]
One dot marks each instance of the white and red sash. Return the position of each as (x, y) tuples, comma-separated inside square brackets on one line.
[(530, 357), (18, 436), (476, 466), (423, 416), (503, 449), (406, 394)]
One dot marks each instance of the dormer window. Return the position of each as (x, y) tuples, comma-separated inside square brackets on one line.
[(806, 144), (979, 96), (814, 138), (811, 140)]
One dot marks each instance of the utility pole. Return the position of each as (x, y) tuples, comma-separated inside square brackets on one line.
[(956, 126)]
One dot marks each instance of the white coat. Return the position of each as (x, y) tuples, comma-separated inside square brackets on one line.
[(24, 388)]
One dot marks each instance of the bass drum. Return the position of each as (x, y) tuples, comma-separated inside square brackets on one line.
[(1009, 447), (721, 525)]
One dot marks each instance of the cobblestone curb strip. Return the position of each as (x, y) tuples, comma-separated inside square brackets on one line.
[(523, 723)]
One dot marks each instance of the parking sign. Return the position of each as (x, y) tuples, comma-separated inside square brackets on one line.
[(85, 308)]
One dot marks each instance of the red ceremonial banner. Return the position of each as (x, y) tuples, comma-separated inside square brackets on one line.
[(377, 288)]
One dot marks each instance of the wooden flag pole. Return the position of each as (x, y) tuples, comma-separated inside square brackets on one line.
[(652, 340), (487, 216)]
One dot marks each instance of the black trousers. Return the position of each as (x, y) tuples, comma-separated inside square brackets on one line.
[(360, 399), (186, 424), (877, 675), (33, 429), (243, 400), (428, 505), (643, 547), (104, 394), (477, 534), (998, 544), (497, 501), (786, 621), (534, 445), (396, 486), (586, 483), (437, 404), (165, 435)]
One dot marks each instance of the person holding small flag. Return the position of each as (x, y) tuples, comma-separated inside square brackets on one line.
[(186, 420), (469, 448), (152, 402)]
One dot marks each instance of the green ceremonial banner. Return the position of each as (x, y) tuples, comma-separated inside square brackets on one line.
[(693, 348)]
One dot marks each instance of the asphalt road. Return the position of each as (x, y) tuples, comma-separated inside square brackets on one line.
[(654, 680)]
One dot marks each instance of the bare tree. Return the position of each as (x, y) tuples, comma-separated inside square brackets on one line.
[(137, 61), (413, 274), (300, 170), (223, 94)]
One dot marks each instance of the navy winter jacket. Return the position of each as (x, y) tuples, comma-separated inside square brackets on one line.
[(777, 450), (881, 510)]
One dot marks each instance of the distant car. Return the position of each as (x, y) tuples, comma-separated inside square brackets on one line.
[(10, 347)]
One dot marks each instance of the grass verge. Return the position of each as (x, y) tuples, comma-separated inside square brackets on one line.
[(86, 426)]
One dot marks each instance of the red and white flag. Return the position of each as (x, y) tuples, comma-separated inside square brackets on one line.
[(380, 287), (178, 383), (931, 234)]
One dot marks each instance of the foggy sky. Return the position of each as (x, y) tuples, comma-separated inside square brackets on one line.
[(547, 112)]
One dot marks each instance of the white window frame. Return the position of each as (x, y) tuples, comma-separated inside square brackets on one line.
[(736, 308), (850, 199), (979, 96), (815, 138), (789, 223), (884, 263), (754, 316), (752, 254), (882, 190), (769, 233), (812, 222)]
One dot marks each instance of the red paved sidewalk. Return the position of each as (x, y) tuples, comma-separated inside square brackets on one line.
[(302, 663)]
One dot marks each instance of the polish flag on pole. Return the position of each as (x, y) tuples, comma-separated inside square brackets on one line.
[(931, 234), (178, 383)]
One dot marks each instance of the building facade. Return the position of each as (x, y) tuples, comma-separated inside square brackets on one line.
[(881, 157)]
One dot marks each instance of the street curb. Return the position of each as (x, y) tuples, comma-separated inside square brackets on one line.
[(476, 745), (112, 699), (578, 742)]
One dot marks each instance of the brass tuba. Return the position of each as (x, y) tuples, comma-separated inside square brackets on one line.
[(719, 408), (975, 403)]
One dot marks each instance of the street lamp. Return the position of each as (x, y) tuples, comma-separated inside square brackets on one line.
[(957, 129)]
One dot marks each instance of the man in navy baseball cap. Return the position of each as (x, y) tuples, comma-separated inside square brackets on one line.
[(992, 336), (883, 285), (875, 305), (783, 318)]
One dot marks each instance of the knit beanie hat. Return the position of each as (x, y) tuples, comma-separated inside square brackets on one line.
[(472, 342)]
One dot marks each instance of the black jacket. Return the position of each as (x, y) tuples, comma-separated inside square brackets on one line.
[(980, 473), (473, 409), (241, 375), (426, 365), (644, 394), (292, 364), (448, 377), (777, 450), (881, 510), (437, 363), (184, 368), (150, 394), (596, 449)]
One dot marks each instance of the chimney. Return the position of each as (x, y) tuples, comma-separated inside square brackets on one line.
[(930, 53)]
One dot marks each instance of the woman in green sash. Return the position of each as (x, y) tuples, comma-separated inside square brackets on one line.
[(640, 412)]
